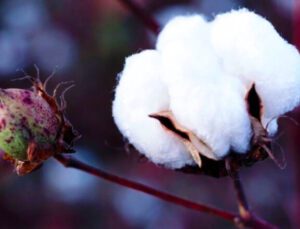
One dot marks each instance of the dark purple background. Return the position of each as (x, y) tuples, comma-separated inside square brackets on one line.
[(89, 40)]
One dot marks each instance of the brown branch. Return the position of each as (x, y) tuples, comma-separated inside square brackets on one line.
[(252, 222), (142, 15), (232, 169), (74, 163), (241, 197), (247, 218)]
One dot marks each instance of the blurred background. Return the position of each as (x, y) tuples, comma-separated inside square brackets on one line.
[(87, 41)]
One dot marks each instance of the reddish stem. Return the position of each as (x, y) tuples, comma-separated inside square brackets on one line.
[(253, 222), (142, 15), (247, 218), (74, 163), (239, 190), (241, 197)]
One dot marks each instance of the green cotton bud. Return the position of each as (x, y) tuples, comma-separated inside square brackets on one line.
[(33, 126)]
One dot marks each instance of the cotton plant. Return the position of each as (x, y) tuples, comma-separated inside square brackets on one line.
[(208, 94), (250, 49), (211, 100), (210, 90)]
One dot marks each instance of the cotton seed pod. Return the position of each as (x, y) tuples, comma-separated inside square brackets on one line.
[(32, 127), (203, 98), (250, 49), (212, 93), (140, 92)]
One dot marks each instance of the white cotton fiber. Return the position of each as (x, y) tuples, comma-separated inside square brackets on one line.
[(250, 48), (140, 92), (185, 48), (179, 28), (201, 72), (202, 97)]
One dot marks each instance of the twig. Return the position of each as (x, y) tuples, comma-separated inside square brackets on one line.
[(142, 15), (247, 218), (74, 163), (241, 197), (253, 222), (238, 187)]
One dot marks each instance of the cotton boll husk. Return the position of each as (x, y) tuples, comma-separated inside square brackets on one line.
[(202, 98), (250, 48), (141, 92)]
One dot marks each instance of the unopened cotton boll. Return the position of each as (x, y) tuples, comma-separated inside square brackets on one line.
[(250, 48), (141, 92), (202, 98)]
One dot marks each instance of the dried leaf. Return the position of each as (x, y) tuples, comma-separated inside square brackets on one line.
[(259, 132), (194, 145), (194, 152), (260, 138)]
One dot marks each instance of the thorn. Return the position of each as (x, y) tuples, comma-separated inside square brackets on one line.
[(283, 116), (26, 77), (22, 70), (34, 80), (37, 72), (58, 86), (63, 102), (290, 119), (284, 161), (50, 77), (282, 164)]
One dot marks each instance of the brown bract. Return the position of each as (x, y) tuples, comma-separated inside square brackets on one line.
[(259, 150)]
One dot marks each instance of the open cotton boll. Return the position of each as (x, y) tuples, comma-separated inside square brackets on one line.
[(141, 92), (250, 48), (202, 98), (182, 28), (215, 112), (184, 45)]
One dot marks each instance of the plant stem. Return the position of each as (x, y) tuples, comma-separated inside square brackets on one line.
[(247, 218), (241, 196), (253, 221), (142, 15), (74, 163)]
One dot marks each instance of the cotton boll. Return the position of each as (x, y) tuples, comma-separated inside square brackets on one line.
[(180, 28), (184, 45), (140, 92), (250, 48), (215, 112), (202, 98)]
